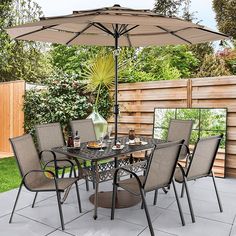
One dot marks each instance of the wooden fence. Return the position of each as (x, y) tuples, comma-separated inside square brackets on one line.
[(137, 103), (11, 114)]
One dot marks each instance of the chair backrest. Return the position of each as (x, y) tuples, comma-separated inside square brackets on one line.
[(162, 164), (49, 136), (85, 129), (27, 158), (180, 129), (203, 157)]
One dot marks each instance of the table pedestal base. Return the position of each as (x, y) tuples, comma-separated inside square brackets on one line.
[(124, 199)]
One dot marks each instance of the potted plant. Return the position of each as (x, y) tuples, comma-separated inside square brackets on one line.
[(99, 73)]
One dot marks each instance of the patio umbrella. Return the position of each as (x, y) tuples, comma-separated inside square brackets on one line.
[(115, 26)]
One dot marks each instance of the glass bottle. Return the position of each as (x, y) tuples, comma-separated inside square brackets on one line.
[(77, 140), (70, 142), (131, 135)]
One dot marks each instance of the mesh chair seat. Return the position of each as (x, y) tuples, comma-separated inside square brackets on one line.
[(178, 175), (48, 184), (180, 178), (131, 185)]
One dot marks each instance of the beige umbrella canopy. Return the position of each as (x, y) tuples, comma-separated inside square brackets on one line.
[(115, 26), (98, 27)]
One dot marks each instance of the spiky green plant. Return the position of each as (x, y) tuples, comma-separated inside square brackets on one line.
[(100, 73)]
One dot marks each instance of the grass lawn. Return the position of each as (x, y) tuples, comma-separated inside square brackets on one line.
[(9, 174)]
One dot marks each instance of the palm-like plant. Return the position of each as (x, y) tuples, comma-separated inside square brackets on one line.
[(100, 73)]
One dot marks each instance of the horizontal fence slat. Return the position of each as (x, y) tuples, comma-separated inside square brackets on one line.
[(138, 100)]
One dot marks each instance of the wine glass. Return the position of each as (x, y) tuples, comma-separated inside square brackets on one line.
[(109, 132), (101, 142)]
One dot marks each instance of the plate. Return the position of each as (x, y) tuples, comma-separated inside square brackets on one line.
[(136, 144), (96, 146), (120, 148)]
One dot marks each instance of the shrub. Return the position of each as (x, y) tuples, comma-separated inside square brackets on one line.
[(63, 100)]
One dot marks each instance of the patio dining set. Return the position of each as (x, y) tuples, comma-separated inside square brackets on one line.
[(53, 166)]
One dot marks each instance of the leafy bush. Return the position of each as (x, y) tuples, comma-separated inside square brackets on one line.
[(213, 66), (61, 101)]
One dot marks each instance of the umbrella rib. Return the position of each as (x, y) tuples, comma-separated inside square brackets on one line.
[(79, 33), (218, 33), (103, 28), (124, 28), (35, 31), (125, 32), (173, 33), (128, 39)]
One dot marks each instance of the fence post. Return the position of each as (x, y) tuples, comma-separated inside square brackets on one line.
[(189, 93)]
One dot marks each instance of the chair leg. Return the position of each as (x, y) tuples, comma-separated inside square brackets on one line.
[(60, 209), (63, 172), (71, 171), (182, 190), (86, 178), (164, 190), (35, 196), (189, 200), (113, 201), (155, 197), (178, 204), (142, 206), (146, 212), (78, 197), (217, 194), (14, 207)]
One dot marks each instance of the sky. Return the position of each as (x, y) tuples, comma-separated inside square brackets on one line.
[(203, 8)]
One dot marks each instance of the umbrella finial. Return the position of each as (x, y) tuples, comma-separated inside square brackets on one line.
[(116, 5)]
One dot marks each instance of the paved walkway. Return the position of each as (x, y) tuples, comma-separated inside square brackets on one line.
[(44, 218)]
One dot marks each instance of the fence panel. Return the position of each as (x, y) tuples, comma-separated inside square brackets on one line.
[(138, 100), (11, 114)]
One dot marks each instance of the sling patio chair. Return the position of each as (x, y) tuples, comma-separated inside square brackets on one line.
[(50, 136), (34, 176), (159, 174), (200, 165), (85, 129), (180, 129)]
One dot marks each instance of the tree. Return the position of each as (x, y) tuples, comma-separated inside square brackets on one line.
[(21, 60), (155, 60), (72, 59), (229, 56), (225, 16), (213, 66), (201, 50), (167, 7)]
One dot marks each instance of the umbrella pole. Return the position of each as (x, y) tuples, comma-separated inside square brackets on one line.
[(116, 106)]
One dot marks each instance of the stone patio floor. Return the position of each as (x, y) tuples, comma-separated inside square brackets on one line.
[(44, 218)]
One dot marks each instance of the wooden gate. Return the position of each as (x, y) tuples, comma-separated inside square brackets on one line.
[(11, 114)]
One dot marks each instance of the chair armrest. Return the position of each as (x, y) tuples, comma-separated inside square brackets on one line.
[(71, 163), (35, 171), (126, 170), (181, 169), (50, 151)]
